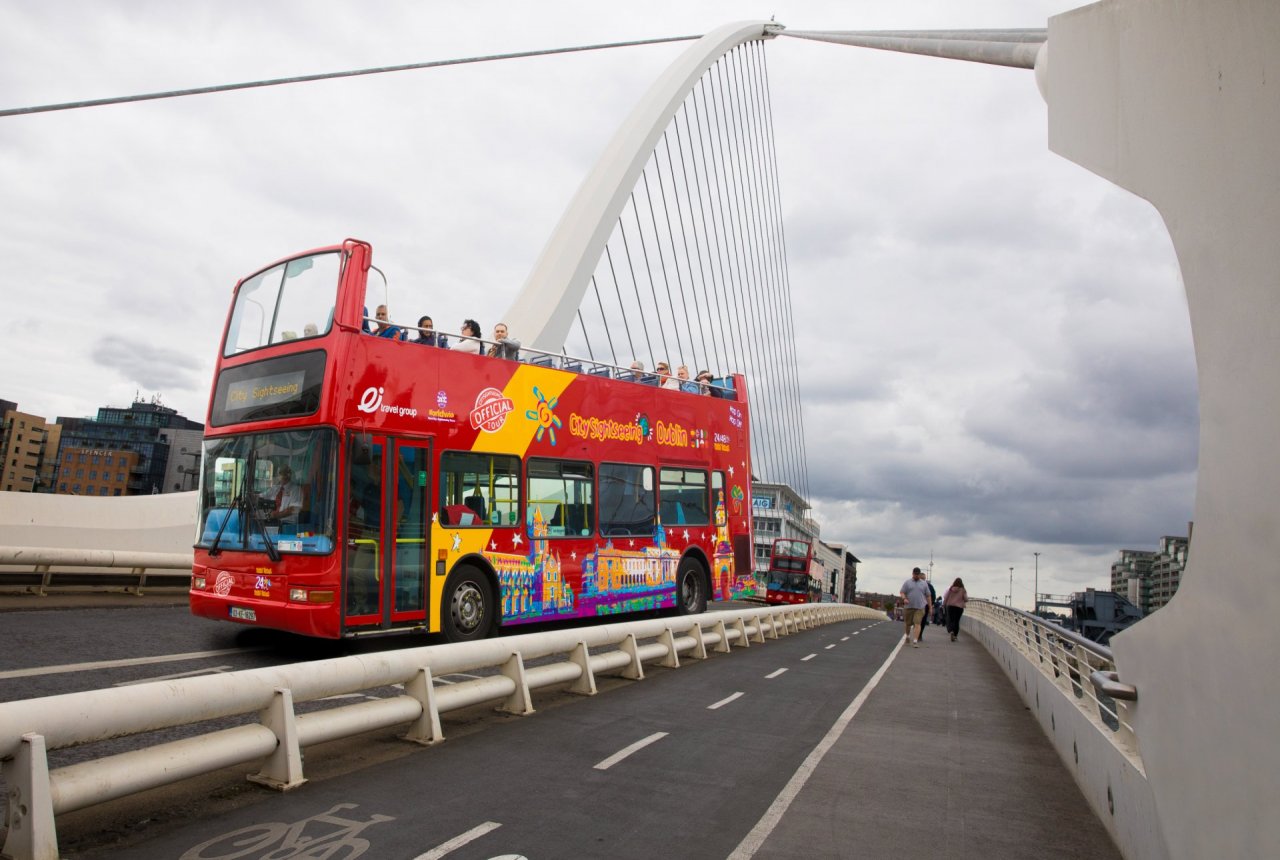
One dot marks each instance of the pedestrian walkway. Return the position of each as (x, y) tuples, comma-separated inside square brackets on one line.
[(942, 760)]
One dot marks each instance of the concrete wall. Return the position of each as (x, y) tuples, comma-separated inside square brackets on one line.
[(155, 523), (1178, 101)]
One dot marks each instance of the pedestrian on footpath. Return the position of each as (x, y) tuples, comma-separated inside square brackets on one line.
[(954, 601), (915, 596), (928, 610)]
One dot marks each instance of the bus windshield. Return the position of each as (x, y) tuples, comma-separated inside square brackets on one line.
[(291, 301), (792, 583), (268, 488)]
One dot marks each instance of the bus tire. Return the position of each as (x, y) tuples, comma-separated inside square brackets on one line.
[(691, 587), (469, 608)]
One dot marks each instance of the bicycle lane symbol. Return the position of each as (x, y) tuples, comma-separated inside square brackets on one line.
[(326, 836)]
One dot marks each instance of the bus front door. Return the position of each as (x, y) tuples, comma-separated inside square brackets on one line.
[(388, 517)]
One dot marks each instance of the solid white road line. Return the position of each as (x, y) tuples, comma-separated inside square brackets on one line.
[(753, 840), (775, 674), (626, 751), (458, 841), (725, 701), (810, 657), (115, 664), (212, 670)]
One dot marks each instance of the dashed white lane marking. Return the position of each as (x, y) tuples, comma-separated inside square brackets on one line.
[(775, 673), (844, 638), (832, 645), (753, 840), (212, 670), (458, 841), (810, 657), (626, 751), (116, 664), (724, 701)]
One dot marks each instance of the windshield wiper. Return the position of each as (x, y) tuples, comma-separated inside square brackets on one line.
[(255, 515)]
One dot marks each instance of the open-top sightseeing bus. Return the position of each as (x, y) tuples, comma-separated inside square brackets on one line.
[(353, 484), (789, 579)]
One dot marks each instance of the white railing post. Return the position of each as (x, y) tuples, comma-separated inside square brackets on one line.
[(672, 660), (426, 729), (758, 630), (520, 701), (586, 683), (699, 644), (722, 647), (282, 770), (773, 624), (741, 627), (32, 834), (634, 670)]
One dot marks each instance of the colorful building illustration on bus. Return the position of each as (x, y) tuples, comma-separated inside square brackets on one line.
[(613, 578)]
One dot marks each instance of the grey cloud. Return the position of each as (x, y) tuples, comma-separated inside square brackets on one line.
[(152, 367)]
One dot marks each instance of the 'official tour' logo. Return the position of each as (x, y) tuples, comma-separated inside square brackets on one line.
[(490, 411)]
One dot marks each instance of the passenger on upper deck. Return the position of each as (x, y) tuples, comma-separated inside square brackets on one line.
[(665, 379), (504, 347), (310, 330), (687, 384), (385, 328), (704, 381), (470, 328), (428, 336), (637, 372)]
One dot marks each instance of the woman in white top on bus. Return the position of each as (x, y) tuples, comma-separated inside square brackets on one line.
[(470, 329)]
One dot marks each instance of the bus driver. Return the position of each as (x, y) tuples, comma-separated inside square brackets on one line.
[(286, 498)]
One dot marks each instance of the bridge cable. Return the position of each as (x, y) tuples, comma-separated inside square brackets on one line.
[(298, 79), (564, 350), (666, 281), (635, 284), (618, 290), (675, 255), (684, 236), (604, 323), (653, 290), (782, 248)]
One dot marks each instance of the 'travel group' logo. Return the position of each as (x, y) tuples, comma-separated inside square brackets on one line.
[(371, 399), (490, 411)]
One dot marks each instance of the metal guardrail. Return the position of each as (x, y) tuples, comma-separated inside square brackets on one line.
[(30, 728), (41, 562), (1081, 668)]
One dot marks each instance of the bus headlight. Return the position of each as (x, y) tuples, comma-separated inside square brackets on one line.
[(302, 595), (197, 583), (297, 595)]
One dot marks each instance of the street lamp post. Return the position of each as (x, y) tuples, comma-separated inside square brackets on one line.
[(1035, 595), (1010, 601)]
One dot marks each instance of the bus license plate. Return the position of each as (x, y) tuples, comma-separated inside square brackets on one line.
[(243, 614)]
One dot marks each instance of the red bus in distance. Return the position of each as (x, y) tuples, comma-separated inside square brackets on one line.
[(789, 579), (353, 484)]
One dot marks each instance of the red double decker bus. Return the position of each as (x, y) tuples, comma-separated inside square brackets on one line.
[(353, 484), (790, 579)]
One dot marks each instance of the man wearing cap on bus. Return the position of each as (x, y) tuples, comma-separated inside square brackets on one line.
[(915, 596)]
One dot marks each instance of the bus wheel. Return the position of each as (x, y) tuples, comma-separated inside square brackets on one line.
[(468, 606), (692, 594)]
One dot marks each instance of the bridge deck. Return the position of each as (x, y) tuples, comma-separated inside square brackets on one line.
[(942, 760)]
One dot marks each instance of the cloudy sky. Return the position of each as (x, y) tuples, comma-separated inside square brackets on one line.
[(994, 345)]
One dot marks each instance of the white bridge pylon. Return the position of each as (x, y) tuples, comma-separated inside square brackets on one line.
[(548, 302)]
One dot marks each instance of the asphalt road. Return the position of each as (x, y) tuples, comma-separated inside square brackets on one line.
[(681, 764)]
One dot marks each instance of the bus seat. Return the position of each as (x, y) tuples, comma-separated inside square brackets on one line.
[(458, 515), (475, 502), (572, 366), (542, 360), (649, 379), (601, 371)]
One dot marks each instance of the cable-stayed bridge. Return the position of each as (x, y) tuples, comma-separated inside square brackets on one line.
[(1168, 100)]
